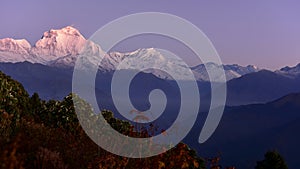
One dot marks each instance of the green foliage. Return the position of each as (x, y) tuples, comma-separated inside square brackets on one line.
[(13, 97), (36, 104), (273, 160), (57, 113), (121, 126)]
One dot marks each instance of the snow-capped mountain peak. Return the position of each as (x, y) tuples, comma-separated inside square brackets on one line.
[(146, 54), (14, 45), (231, 71), (62, 47), (241, 70), (59, 43), (295, 69), (12, 50), (290, 71), (55, 44)]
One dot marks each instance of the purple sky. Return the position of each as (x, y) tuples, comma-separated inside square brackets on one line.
[(262, 33)]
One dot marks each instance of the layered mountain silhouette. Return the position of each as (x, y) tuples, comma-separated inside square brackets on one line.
[(262, 106), (46, 67), (260, 87), (56, 82), (246, 132)]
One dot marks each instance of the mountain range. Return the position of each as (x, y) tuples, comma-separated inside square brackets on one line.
[(262, 109), (61, 48), (47, 68), (246, 132)]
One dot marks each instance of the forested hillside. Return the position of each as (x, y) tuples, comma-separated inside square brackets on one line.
[(46, 134)]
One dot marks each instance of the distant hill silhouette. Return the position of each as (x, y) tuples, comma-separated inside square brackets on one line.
[(55, 83), (247, 131), (260, 87)]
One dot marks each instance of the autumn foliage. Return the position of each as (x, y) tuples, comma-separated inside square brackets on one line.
[(46, 134)]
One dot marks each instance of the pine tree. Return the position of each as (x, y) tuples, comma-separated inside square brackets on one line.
[(273, 160)]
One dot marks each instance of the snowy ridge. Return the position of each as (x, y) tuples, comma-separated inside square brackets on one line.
[(12, 50), (291, 72), (54, 44), (58, 43), (231, 71), (62, 47)]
